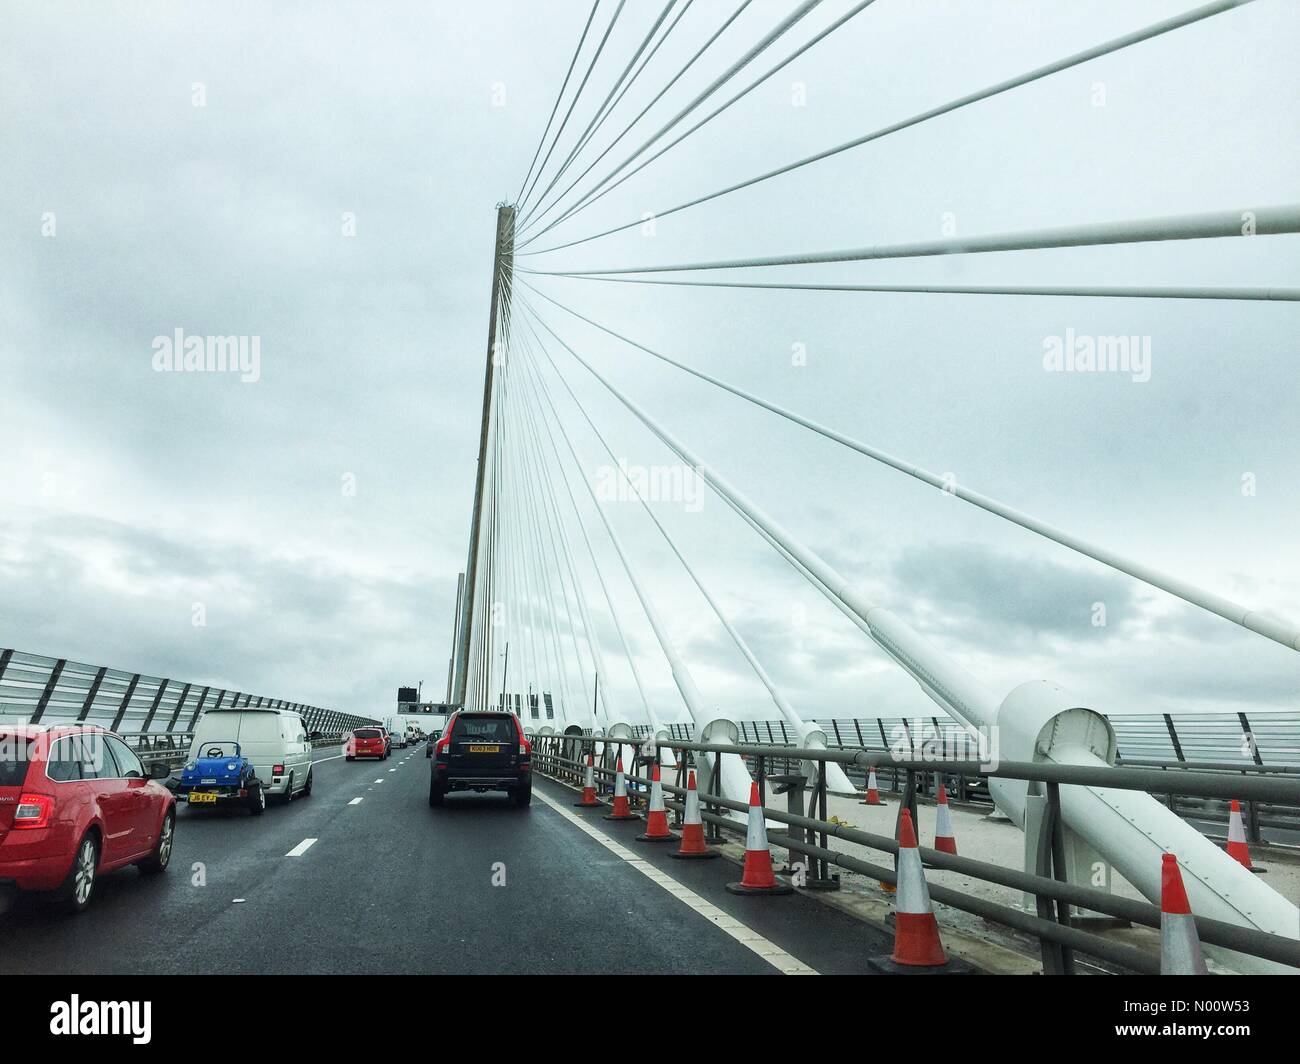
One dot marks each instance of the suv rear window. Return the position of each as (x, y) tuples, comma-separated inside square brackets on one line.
[(14, 758), (493, 729), (367, 733)]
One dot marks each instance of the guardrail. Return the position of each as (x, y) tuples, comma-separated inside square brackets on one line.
[(562, 756), (37, 689), (1264, 741), (172, 748)]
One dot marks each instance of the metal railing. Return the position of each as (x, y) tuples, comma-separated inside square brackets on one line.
[(36, 689), (1053, 927)]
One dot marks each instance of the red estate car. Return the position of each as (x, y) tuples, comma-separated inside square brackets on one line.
[(367, 742), (76, 801)]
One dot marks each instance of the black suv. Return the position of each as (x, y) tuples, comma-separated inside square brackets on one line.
[(482, 751)]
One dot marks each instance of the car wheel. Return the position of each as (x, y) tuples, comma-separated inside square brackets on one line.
[(77, 890), (162, 853), (257, 800), (306, 790), (436, 795), (349, 757), (523, 796)]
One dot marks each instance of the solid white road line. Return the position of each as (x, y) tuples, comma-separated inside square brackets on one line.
[(769, 951), (356, 801), (321, 761), (301, 848)]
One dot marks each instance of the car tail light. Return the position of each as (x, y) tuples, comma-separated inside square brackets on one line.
[(442, 745), (277, 770), (33, 811)]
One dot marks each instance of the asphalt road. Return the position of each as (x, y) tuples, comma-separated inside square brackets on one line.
[(392, 886)]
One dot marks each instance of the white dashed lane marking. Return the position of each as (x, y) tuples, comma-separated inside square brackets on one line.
[(774, 955), (356, 801), (301, 848)]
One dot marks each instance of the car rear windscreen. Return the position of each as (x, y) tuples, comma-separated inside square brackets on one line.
[(492, 729), (14, 753), (367, 733)]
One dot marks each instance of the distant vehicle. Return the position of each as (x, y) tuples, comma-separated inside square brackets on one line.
[(397, 731), (219, 774), (413, 733), (275, 742), (434, 736), (367, 742), (76, 802), (482, 751)]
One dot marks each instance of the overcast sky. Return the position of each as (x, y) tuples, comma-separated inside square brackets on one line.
[(324, 177)]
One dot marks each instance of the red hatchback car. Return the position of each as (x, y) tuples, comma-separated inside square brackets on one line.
[(76, 802), (366, 742)]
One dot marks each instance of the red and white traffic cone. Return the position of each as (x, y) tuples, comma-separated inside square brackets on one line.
[(656, 821), (944, 840), (1237, 848), (620, 810), (588, 788), (873, 794), (916, 931), (1180, 946), (692, 826), (758, 877)]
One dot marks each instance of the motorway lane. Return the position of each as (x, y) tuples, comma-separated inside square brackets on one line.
[(391, 885)]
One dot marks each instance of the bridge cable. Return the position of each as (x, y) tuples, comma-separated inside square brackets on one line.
[(787, 711), (541, 499), (547, 575), (1278, 630), (595, 194), (559, 96), (1261, 221), (680, 671), (620, 629), (1265, 293), (658, 96), (1118, 43), (772, 36), (606, 108), (565, 121)]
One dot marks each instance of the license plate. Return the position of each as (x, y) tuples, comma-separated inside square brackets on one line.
[(484, 749), (198, 798)]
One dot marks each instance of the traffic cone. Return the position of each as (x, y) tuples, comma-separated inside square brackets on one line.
[(656, 820), (692, 826), (873, 795), (1237, 848), (588, 788), (758, 877), (1180, 946), (944, 841), (916, 932), (620, 810)]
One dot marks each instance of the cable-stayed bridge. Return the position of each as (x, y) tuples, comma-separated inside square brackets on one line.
[(557, 596)]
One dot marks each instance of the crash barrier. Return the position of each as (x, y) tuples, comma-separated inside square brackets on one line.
[(172, 748), (36, 689), (1265, 741), (808, 834)]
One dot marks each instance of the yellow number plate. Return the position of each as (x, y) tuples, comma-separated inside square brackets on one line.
[(495, 749), (198, 797)]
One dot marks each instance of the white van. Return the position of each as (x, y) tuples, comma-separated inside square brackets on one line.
[(274, 740)]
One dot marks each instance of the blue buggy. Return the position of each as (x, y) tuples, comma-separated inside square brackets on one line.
[(221, 775)]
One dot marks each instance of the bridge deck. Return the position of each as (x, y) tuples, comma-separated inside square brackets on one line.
[(392, 886)]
